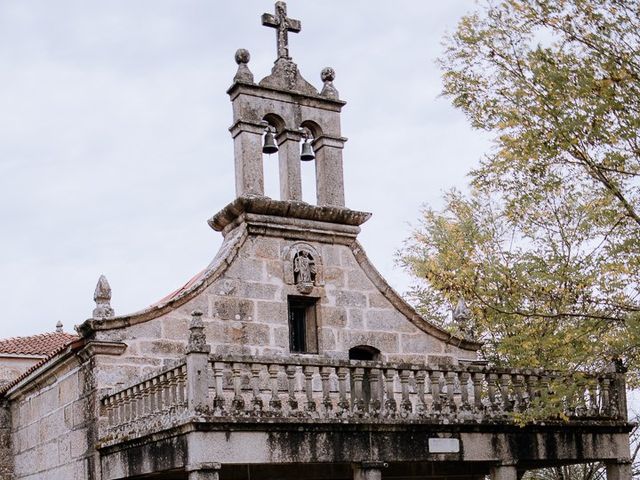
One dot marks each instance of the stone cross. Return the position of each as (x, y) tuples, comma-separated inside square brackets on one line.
[(283, 26)]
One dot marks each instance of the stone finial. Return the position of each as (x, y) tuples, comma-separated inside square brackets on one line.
[(328, 75), (197, 338), (102, 297), (462, 317), (243, 74), (59, 327), (461, 313), (283, 25)]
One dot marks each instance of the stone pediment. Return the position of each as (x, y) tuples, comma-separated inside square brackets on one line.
[(286, 76)]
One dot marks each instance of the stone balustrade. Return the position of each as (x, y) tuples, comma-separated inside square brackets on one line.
[(371, 391), (161, 395), (305, 389)]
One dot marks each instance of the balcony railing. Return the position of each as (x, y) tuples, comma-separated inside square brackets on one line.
[(313, 390)]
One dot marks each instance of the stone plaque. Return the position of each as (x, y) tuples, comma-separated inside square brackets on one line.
[(444, 445)]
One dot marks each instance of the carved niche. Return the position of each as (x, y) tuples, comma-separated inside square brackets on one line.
[(303, 267)]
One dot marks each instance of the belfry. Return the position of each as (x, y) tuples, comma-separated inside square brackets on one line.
[(289, 356), (285, 103)]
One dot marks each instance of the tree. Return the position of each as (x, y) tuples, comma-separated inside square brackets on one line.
[(546, 246)]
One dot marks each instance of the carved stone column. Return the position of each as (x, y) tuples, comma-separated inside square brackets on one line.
[(504, 472), (197, 365), (204, 471), (368, 470), (619, 471)]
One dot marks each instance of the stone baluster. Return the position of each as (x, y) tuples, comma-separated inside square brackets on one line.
[(291, 370), (492, 385), (436, 402), (518, 389), (376, 392), (311, 406), (182, 386), (218, 379), (605, 400), (107, 403), (451, 385), (237, 404), (593, 399), (325, 375), (148, 402), (421, 404), (256, 401), (166, 392), (127, 404), (275, 404), (390, 404), (172, 387), (406, 407), (533, 390), (155, 395), (358, 398), (136, 403), (505, 380), (465, 381), (544, 389), (343, 403), (478, 380)]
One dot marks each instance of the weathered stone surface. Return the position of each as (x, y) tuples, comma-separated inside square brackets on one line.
[(233, 309)]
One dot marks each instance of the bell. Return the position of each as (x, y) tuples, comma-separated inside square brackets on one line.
[(269, 144), (307, 152)]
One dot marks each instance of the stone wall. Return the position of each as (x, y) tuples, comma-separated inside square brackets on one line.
[(245, 312), (13, 367), (51, 425), (6, 455)]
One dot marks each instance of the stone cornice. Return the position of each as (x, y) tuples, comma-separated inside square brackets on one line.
[(239, 88), (291, 210)]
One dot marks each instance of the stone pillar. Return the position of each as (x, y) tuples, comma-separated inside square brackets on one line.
[(504, 472), (247, 139), (368, 470), (289, 158), (6, 453), (204, 471), (197, 365), (619, 471), (329, 174)]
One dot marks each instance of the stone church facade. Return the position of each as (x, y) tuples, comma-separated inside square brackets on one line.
[(289, 356)]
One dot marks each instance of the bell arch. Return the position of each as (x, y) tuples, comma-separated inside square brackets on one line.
[(274, 125)]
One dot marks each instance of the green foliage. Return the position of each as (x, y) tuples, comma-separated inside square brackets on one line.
[(546, 246)]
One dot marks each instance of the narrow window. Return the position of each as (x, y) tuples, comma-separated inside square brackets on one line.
[(302, 325)]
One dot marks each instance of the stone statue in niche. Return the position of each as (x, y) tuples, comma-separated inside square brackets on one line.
[(304, 271)]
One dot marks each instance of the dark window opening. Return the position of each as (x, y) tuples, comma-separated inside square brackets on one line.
[(302, 325), (364, 352)]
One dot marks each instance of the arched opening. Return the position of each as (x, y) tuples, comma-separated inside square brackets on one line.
[(270, 162), (364, 352), (308, 169)]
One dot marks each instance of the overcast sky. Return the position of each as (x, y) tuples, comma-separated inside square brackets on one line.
[(115, 150)]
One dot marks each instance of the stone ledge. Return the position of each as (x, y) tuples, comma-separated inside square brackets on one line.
[(292, 210)]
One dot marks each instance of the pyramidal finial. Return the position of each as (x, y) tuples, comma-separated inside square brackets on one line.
[(102, 297), (461, 313), (59, 327), (462, 317)]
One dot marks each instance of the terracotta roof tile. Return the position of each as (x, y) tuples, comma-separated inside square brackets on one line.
[(42, 345)]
